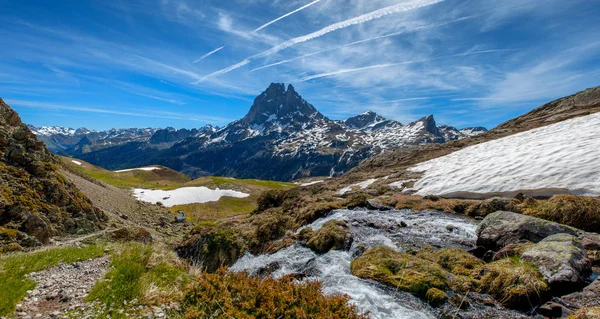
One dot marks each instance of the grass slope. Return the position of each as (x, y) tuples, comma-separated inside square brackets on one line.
[(167, 179)]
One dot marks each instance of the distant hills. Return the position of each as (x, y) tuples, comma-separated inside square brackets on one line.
[(282, 137)]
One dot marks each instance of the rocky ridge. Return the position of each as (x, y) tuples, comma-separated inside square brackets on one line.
[(36, 201)]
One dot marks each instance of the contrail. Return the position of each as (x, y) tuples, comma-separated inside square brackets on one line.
[(407, 30), (284, 16), (379, 66), (336, 26), (208, 54)]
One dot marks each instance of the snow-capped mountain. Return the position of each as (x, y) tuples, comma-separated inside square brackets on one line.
[(282, 137), (71, 141)]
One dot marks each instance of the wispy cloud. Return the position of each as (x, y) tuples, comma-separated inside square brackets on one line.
[(406, 6), (208, 54), (133, 113), (285, 15), (379, 37), (387, 65)]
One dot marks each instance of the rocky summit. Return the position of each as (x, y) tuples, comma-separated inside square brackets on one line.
[(282, 137), (36, 202)]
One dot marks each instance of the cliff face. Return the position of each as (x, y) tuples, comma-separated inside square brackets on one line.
[(36, 202)]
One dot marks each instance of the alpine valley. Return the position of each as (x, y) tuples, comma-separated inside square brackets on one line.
[(283, 137)]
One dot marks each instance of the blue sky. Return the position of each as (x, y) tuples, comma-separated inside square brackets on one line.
[(159, 63)]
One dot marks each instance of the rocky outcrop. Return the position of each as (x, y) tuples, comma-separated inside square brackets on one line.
[(36, 202), (562, 261), (502, 228)]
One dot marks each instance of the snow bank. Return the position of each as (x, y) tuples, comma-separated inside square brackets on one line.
[(311, 183), (184, 195), (558, 158), (149, 168), (76, 162), (362, 185)]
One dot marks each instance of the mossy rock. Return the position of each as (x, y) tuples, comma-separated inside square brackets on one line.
[(334, 235), (461, 265), (458, 261), (402, 271), (514, 283), (436, 297)]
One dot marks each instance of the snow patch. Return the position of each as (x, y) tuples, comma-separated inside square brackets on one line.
[(76, 162), (149, 168), (311, 183), (558, 158), (401, 184), (362, 185), (184, 195)]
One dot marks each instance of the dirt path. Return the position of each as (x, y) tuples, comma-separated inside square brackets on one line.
[(61, 288)]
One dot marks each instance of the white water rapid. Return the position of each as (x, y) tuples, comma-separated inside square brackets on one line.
[(399, 229)]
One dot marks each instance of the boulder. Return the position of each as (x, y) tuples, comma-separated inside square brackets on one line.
[(590, 241), (588, 297), (562, 261), (502, 228), (553, 310)]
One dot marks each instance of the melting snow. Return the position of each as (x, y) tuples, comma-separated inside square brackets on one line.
[(311, 183), (184, 195), (558, 158), (150, 168), (76, 162), (362, 185), (401, 184)]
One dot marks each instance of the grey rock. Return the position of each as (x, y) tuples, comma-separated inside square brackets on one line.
[(588, 297), (502, 228), (562, 261), (590, 241)]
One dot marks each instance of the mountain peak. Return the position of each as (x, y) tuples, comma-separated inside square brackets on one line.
[(363, 120), (276, 104)]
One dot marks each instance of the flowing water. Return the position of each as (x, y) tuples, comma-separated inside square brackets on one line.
[(399, 229)]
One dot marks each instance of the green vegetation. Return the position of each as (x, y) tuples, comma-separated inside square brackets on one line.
[(223, 208), (139, 272), (14, 268), (576, 211), (163, 178), (399, 270), (334, 235), (225, 294), (514, 283)]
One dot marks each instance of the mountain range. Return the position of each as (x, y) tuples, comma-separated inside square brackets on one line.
[(283, 137)]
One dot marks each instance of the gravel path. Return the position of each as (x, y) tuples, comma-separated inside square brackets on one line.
[(61, 288)]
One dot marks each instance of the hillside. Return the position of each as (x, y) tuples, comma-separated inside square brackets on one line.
[(149, 179), (396, 161), (36, 201)]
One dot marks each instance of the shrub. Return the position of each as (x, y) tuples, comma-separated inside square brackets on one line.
[(226, 294), (514, 283)]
